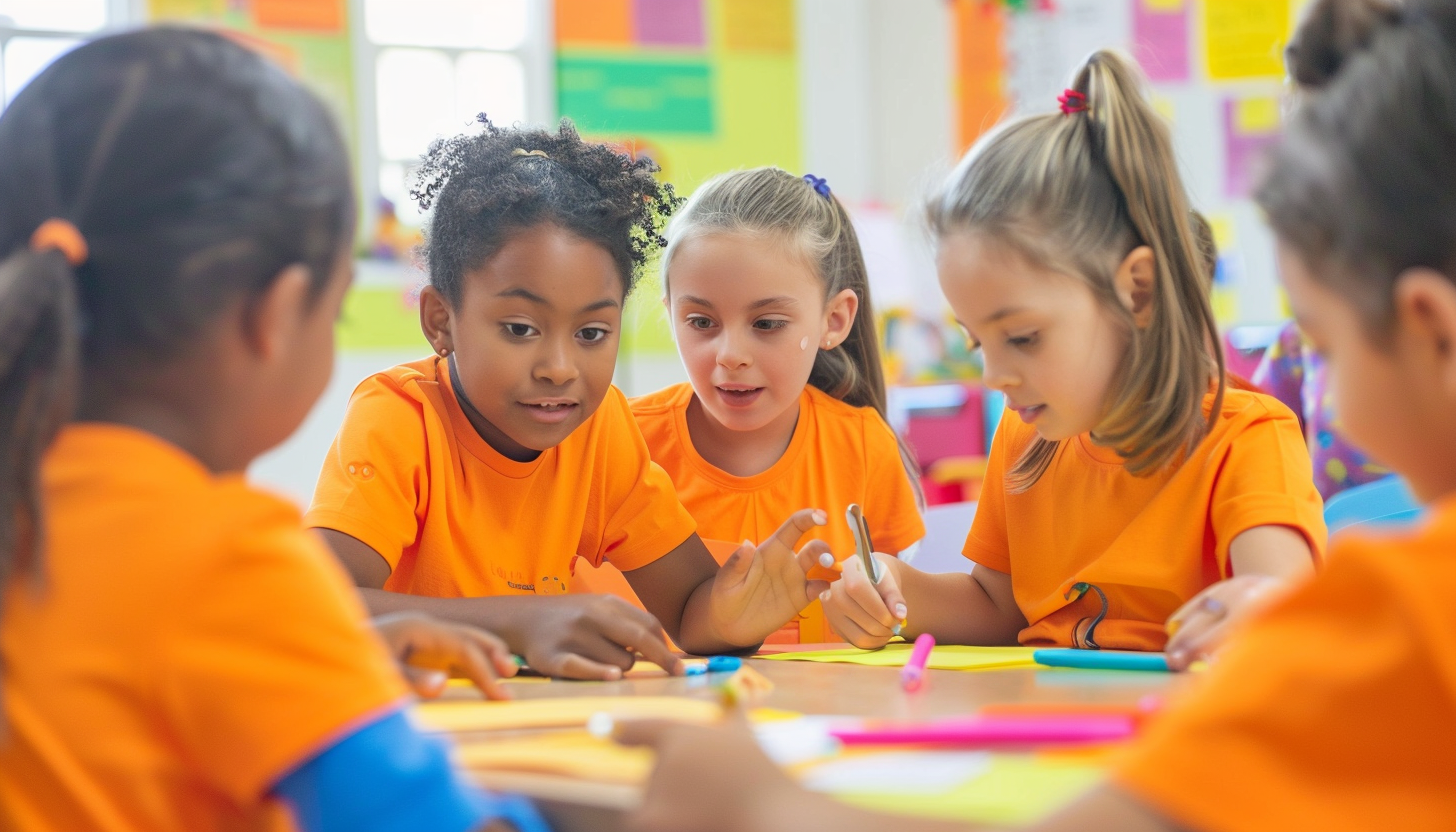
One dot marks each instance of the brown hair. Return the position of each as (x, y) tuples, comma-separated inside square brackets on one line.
[(1362, 186), (1077, 193), (773, 203)]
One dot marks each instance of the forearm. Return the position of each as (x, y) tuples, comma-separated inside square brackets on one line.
[(507, 616), (956, 609)]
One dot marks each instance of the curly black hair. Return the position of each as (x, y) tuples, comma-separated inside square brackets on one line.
[(486, 186)]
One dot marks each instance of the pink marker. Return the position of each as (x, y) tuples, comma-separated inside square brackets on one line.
[(912, 676)]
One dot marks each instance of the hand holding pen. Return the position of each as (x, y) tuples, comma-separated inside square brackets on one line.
[(865, 605)]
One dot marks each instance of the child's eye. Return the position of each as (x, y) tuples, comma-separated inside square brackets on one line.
[(592, 334), (699, 322), (1022, 340), (519, 330), (769, 324)]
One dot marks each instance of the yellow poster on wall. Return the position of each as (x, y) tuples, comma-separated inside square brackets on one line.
[(1244, 39)]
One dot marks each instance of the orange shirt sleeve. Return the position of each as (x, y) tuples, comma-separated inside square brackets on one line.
[(638, 517), (988, 544), (890, 498), (1333, 711), (270, 661), (1266, 480), (374, 486)]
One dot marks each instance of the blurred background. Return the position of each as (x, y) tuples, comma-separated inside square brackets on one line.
[(879, 97)]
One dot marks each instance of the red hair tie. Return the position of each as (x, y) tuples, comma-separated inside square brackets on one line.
[(1072, 102), (61, 235)]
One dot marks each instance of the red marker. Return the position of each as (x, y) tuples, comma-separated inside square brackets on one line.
[(913, 674)]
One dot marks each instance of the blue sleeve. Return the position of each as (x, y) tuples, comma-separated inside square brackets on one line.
[(389, 776)]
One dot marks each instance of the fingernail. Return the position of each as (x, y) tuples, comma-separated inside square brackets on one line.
[(1176, 657), (820, 517), (436, 679), (900, 610), (826, 560), (824, 596), (614, 674), (748, 543)]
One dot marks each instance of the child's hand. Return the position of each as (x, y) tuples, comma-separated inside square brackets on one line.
[(760, 588), (1200, 626), (593, 637), (863, 612), (709, 778), (428, 649)]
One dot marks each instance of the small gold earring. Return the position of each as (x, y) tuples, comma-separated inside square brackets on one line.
[(444, 352)]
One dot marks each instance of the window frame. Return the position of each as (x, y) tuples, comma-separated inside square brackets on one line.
[(119, 14), (537, 54)]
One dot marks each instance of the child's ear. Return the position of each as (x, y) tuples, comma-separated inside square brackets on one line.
[(435, 320), (839, 315), (1425, 313), (271, 318), (1134, 281)]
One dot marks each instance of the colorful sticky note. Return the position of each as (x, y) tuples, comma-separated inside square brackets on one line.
[(1244, 150), (608, 94), (1160, 39), (557, 712), (668, 22), (1245, 39), (593, 22), (980, 68), (758, 26), (1257, 115), (308, 15), (185, 9)]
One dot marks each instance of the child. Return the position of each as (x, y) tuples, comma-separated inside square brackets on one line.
[(1334, 710), (1133, 488), (760, 266), (465, 484), (186, 656)]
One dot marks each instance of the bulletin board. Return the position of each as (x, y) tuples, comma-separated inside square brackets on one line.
[(1216, 72), (699, 86)]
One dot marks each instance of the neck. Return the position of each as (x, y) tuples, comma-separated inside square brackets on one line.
[(741, 453), (167, 404)]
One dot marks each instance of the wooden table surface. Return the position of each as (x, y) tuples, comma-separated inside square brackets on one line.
[(812, 688)]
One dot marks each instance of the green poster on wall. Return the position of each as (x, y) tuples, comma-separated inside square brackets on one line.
[(636, 94)]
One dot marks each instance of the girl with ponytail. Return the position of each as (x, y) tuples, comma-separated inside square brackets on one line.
[(769, 303), (1135, 490)]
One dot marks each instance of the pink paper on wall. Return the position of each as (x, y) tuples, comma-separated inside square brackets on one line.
[(1160, 38), (668, 22), (1250, 126)]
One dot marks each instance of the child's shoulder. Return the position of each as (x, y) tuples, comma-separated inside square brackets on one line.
[(406, 378), (1244, 407), (668, 400)]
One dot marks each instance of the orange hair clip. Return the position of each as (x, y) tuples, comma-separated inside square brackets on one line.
[(61, 235)]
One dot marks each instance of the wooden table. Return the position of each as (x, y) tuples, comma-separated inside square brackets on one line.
[(814, 688)]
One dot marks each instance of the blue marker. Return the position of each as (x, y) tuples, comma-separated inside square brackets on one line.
[(1101, 659), (715, 664)]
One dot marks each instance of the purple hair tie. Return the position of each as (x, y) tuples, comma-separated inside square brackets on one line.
[(820, 186)]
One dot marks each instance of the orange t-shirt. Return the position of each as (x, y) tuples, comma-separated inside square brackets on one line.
[(839, 454), (1335, 710), (1150, 543), (186, 645), (410, 477)]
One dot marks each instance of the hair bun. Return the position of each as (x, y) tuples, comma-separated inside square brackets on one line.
[(1331, 32)]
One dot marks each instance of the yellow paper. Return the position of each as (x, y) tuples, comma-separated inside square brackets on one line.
[(1018, 790), (1164, 6), (569, 754), (947, 657), (558, 712), (1258, 115), (1245, 39), (1165, 107)]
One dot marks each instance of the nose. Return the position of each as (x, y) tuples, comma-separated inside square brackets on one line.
[(733, 352), (995, 374), (555, 364)]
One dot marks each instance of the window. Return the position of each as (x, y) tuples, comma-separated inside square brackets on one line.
[(33, 33), (425, 68)]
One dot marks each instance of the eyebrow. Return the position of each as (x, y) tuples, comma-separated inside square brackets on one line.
[(999, 314), (758, 304), (528, 295)]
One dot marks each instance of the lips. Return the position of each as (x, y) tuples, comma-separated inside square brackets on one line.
[(738, 395), (550, 411), (1030, 413)]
